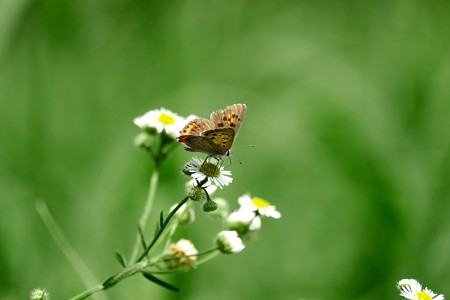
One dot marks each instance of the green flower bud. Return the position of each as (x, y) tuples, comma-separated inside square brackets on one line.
[(209, 206)]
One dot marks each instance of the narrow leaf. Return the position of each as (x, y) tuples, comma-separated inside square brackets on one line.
[(157, 229), (161, 220), (160, 282), (109, 282), (120, 259), (142, 237)]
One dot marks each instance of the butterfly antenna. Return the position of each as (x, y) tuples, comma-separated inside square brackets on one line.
[(240, 162), (234, 154), (241, 146)]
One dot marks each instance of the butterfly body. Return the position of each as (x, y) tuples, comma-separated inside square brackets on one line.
[(215, 136)]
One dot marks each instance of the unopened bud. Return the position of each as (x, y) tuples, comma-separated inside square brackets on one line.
[(209, 206)]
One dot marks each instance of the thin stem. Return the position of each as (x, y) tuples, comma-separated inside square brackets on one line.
[(85, 294), (70, 253), (160, 231), (147, 209), (208, 256), (163, 257), (113, 280), (124, 273)]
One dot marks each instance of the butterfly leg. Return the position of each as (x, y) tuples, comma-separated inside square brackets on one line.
[(206, 160), (229, 162), (218, 162)]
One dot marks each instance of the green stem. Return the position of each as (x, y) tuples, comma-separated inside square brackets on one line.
[(163, 257), (124, 273), (60, 239), (113, 280), (208, 255), (160, 231), (147, 209), (85, 294)]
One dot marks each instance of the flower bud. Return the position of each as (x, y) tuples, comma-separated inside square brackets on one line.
[(209, 189), (228, 242), (143, 140), (222, 210), (182, 254), (39, 294), (196, 194), (209, 206), (184, 215)]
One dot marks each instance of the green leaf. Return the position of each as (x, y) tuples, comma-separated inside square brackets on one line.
[(121, 259), (161, 220), (142, 237), (109, 282), (160, 282), (124, 273), (157, 229)]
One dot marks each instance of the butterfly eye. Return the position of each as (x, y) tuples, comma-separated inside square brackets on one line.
[(228, 153)]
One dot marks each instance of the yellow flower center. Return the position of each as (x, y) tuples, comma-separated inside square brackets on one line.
[(423, 296), (166, 119), (260, 203), (209, 169)]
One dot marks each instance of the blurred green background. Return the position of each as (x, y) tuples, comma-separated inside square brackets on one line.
[(348, 106)]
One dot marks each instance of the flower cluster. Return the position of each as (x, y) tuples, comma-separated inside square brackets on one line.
[(412, 289), (160, 129)]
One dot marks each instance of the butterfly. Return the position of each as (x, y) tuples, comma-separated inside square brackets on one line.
[(215, 136)]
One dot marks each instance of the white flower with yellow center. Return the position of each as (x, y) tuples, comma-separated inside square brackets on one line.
[(183, 253), (244, 220), (215, 174), (161, 120), (412, 289), (259, 205)]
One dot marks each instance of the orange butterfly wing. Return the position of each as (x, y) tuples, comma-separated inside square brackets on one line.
[(214, 137), (231, 116), (197, 126), (223, 137)]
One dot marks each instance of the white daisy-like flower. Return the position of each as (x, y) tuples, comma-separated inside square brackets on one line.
[(183, 253), (244, 220), (215, 175), (161, 120), (412, 289), (258, 205), (228, 242)]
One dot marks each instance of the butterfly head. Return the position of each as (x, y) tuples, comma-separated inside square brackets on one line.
[(228, 153)]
